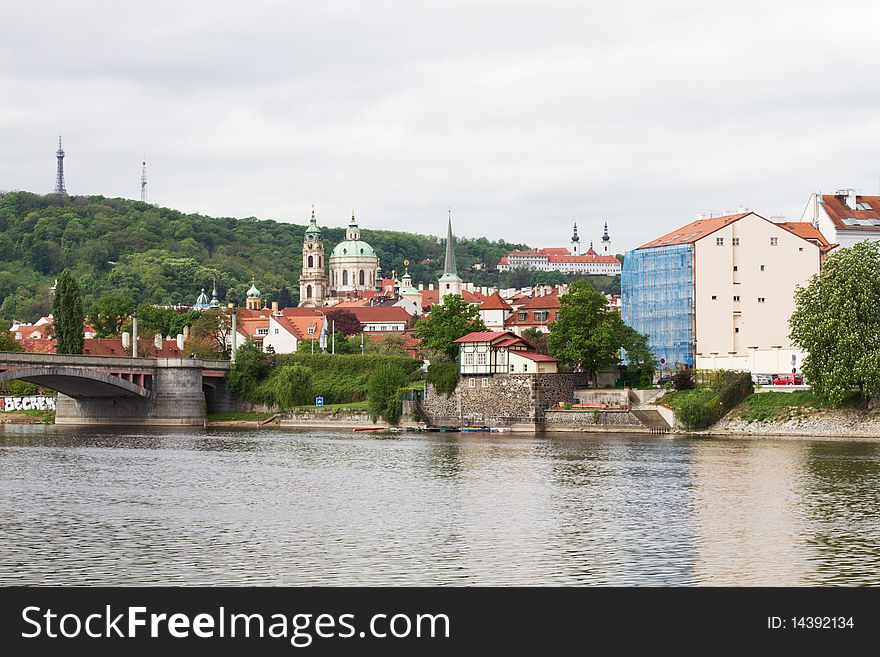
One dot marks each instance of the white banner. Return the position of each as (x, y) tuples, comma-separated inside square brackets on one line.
[(9, 404)]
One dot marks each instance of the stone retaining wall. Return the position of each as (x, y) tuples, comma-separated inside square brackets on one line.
[(601, 420)]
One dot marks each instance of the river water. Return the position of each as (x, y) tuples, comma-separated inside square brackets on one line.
[(280, 507)]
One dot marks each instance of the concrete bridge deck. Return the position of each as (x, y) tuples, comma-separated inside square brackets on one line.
[(120, 390)]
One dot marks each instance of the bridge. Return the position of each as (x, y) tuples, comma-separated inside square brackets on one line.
[(116, 390)]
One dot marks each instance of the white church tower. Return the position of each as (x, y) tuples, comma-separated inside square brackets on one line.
[(450, 283)]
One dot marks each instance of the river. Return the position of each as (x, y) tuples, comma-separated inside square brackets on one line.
[(280, 507)]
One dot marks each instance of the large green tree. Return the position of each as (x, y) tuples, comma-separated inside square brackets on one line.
[(837, 323), (448, 321), (383, 392), (585, 334), (109, 313), (67, 311)]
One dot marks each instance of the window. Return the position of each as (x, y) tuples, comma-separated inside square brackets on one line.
[(276, 331), (525, 367), (472, 382), (735, 268), (714, 297), (735, 241), (774, 241), (736, 330), (523, 316), (481, 359), (262, 331), (361, 278), (761, 299), (485, 382), (512, 367), (311, 330), (468, 359), (345, 277), (540, 315), (762, 267), (719, 241), (736, 298), (311, 261), (801, 248)]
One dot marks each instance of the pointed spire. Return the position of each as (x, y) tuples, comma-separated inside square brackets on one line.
[(353, 222), (313, 230), (449, 266), (574, 236), (605, 237)]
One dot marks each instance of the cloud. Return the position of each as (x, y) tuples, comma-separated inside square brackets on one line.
[(522, 116)]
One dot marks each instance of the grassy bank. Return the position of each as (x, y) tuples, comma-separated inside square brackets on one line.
[(28, 417), (783, 406)]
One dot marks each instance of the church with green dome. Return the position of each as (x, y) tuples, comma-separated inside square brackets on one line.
[(354, 266)]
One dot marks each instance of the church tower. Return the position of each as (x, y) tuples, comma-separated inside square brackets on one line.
[(450, 283), (575, 242), (606, 241), (312, 281)]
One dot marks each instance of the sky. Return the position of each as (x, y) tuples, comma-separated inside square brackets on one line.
[(522, 117)]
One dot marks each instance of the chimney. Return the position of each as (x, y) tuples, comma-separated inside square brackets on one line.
[(274, 307), (851, 202), (126, 340), (157, 341), (180, 341), (421, 286), (430, 286)]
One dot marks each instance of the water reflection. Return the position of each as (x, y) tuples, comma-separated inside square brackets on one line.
[(277, 507)]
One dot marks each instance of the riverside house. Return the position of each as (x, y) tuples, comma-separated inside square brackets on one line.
[(486, 353)]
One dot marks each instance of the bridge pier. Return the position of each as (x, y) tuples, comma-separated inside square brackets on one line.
[(176, 399)]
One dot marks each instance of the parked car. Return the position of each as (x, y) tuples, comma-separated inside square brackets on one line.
[(663, 380), (762, 379), (788, 380)]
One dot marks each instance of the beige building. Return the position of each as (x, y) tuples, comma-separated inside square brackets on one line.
[(724, 299)]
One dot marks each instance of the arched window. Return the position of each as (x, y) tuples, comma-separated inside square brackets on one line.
[(308, 290), (361, 278), (311, 262), (345, 277)]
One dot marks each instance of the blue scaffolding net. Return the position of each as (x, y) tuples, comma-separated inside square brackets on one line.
[(657, 295)]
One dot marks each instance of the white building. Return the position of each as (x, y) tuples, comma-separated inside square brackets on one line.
[(354, 266), (566, 260), (718, 292), (844, 218)]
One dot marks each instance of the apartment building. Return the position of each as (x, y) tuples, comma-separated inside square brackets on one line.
[(717, 293)]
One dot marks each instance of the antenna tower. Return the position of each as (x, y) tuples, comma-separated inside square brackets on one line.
[(144, 180), (59, 171)]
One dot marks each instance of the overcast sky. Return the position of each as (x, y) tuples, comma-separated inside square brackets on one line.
[(521, 116)]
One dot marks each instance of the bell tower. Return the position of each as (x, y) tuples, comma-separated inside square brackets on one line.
[(313, 280)]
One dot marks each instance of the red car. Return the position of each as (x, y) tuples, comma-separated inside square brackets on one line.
[(788, 380)]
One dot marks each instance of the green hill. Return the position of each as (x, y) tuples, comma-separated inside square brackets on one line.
[(162, 256)]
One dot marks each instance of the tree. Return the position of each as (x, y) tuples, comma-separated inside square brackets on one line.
[(836, 322), (585, 334), (388, 345), (109, 313), (284, 298), (67, 311), (211, 333), (345, 321), (7, 339), (383, 392), (292, 385), (638, 349), (249, 370), (448, 322), (536, 338)]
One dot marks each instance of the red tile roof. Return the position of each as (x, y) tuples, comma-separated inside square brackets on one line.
[(694, 231), (495, 302), (838, 211), (589, 256), (379, 313), (805, 230), (548, 301), (484, 336)]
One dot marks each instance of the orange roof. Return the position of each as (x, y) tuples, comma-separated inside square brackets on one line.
[(495, 302), (694, 231), (846, 219), (472, 297), (547, 301), (806, 230), (589, 256), (38, 346), (380, 314), (299, 325)]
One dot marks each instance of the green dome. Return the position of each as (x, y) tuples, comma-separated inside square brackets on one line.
[(353, 248)]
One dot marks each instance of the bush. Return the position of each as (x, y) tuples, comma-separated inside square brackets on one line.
[(343, 378), (443, 376), (383, 392), (683, 379), (696, 412), (292, 386), (736, 389), (249, 370)]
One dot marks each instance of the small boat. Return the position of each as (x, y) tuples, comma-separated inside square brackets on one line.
[(371, 428), (475, 430)]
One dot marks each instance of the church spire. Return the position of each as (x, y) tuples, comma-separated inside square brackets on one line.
[(449, 266)]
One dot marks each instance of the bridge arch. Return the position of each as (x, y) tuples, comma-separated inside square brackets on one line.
[(76, 382)]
